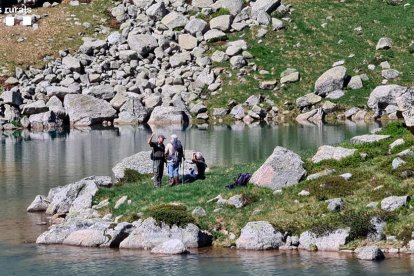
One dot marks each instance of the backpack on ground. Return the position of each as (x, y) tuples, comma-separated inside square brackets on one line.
[(240, 181)]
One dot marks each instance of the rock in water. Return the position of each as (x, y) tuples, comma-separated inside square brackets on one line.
[(84, 110), (283, 168), (331, 80), (259, 235), (149, 234), (162, 115), (86, 237), (39, 204), (327, 242), (170, 247), (370, 253)]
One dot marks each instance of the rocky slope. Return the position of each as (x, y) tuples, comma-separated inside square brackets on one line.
[(158, 59)]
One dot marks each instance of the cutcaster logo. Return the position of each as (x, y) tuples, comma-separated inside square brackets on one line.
[(17, 15)]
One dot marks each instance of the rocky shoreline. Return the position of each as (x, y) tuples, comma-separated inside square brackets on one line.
[(75, 220)]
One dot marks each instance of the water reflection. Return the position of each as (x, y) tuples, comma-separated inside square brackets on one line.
[(65, 260)]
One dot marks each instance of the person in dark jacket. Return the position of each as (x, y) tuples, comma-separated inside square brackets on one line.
[(158, 158)]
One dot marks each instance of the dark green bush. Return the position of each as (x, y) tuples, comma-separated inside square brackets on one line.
[(331, 187), (133, 176), (170, 214)]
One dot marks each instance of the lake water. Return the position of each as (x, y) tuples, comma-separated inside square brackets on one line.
[(32, 163)]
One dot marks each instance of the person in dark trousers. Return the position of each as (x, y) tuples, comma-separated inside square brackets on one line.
[(197, 159), (158, 158)]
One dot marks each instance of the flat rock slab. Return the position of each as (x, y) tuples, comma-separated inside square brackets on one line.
[(328, 242), (283, 168), (330, 152), (149, 234), (392, 203), (368, 138), (259, 235), (170, 247)]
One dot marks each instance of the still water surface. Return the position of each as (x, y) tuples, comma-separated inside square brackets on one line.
[(35, 162)]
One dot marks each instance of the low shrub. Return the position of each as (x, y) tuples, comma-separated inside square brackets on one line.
[(170, 214)]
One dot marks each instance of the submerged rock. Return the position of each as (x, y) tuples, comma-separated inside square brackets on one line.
[(259, 235), (283, 168)]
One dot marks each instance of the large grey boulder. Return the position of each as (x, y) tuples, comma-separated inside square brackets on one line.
[(385, 95), (195, 26), (149, 234), (202, 3), (283, 168), (58, 233), (60, 91), (369, 253), (327, 242), (84, 110), (383, 43), (75, 197), (174, 20), (267, 6), (139, 162), (187, 42), (259, 235), (157, 10), (330, 152), (86, 238), (39, 204), (89, 46), (162, 115), (315, 115), (376, 232), (234, 6), (335, 204), (11, 97), (46, 120), (132, 112), (331, 80), (170, 247), (392, 203), (180, 59), (368, 138), (104, 91), (142, 163), (35, 107), (142, 43), (214, 35), (72, 63), (222, 23)]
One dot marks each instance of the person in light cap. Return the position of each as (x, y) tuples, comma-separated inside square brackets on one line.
[(174, 154), (158, 158)]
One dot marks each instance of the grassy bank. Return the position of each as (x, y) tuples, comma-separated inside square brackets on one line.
[(373, 180), (320, 33)]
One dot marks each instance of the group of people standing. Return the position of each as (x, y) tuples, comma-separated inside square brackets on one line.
[(173, 156)]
